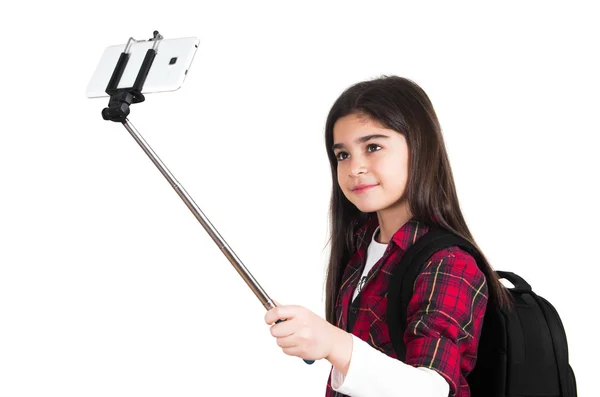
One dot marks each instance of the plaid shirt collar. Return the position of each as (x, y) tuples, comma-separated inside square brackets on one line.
[(404, 237)]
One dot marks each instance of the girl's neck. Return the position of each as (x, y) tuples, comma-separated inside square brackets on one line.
[(390, 220)]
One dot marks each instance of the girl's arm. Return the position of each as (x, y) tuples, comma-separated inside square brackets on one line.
[(372, 373)]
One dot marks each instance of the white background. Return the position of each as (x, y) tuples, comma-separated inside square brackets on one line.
[(108, 284)]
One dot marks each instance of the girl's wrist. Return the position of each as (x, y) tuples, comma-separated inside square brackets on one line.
[(341, 350)]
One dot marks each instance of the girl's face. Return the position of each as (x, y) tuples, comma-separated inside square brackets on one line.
[(372, 157)]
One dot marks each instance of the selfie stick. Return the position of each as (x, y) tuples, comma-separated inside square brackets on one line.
[(118, 110)]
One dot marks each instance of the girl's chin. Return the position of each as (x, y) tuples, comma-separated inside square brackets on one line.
[(368, 207)]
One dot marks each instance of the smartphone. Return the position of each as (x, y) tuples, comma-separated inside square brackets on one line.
[(167, 73)]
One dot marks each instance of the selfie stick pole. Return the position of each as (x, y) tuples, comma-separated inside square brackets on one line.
[(118, 110)]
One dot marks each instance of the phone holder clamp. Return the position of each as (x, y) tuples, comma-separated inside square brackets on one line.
[(122, 98)]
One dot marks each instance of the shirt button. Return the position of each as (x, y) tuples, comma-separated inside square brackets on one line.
[(353, 310)]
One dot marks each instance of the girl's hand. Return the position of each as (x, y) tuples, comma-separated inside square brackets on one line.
[(308, 336)]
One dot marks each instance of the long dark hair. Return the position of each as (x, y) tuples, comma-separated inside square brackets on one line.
[(401, 105)]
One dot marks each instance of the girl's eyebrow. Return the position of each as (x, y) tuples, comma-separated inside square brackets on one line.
[(360, 140)]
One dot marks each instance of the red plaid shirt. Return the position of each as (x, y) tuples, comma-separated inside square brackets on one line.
[(444, 316)]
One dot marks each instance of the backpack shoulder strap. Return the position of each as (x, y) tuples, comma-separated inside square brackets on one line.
[(404, 274)]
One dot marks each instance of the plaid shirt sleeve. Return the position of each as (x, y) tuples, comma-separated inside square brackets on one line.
[(445, 316)]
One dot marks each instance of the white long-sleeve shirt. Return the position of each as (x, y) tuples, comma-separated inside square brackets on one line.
[(372, 373)]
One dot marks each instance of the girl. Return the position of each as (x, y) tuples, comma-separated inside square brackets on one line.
[(391, 181)]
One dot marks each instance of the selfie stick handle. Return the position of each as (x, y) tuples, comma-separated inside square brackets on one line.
[(118, 110)]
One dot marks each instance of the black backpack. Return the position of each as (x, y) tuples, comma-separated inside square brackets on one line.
[(522, 352)]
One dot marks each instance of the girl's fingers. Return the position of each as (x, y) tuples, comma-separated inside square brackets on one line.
[(283, 329), (280, 313), (272, 315), (294, 351), (286, 342)]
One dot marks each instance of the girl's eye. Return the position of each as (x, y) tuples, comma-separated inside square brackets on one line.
[(373, 146), (338, 156)]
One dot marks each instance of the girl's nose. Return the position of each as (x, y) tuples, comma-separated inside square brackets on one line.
[(358, 165)]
